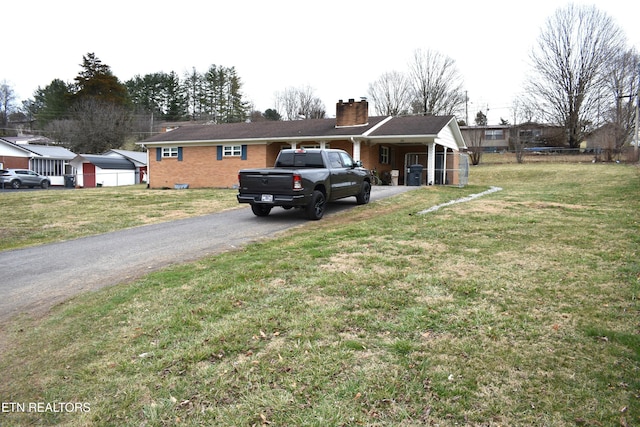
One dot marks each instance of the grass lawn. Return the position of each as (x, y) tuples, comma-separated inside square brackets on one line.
[(36, 217), (516, 309)]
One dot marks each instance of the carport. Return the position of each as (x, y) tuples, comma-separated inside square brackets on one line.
[(98, 171), (436, 144)]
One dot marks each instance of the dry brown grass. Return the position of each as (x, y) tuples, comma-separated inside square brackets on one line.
[(519, 309)]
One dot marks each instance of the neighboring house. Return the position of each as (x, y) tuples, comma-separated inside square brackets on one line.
[(114, 167), (607, 137), (211, 155), (138, 158), (503, 137), (13, 156), (487, 138), (95, 170), (29, 152), (535, 135)]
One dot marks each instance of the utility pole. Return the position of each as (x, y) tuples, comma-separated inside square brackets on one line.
[(466, 107)]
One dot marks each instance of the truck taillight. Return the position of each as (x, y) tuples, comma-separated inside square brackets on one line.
[(297, 182)]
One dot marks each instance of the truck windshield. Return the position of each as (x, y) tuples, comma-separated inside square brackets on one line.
[(300, 160)]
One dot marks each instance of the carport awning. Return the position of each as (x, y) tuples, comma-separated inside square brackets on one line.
[(414, 130), (416, 140), (107, 162)]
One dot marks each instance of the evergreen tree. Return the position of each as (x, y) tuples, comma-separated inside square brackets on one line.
[(51, 102), (96, 81), (159, 95), (222, 97), (100, 116), (271, 114), (192, 88), (145, 93), (175, 101)]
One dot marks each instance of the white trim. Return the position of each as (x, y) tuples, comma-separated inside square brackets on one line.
[(374, 128)]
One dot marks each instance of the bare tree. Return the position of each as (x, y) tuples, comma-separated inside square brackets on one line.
[(391, 94), (569, 60), (476, 136), (622, 85), (523, 112), (436, 83), (287, 103), (299, 103), (97, 126), (7, 97)]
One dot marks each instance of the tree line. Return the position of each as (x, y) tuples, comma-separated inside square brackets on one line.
[(583, 77), (97, 112)]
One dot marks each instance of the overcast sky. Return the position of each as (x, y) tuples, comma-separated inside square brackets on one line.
[(335, 47)]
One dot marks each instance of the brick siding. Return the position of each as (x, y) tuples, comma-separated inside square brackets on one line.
[(200, 167), (9, 162)]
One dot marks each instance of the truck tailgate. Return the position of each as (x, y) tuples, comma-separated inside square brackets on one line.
[(266, 181)]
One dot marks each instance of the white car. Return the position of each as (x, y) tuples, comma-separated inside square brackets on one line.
[(17, 178)]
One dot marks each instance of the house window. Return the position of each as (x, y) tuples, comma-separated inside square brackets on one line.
[(169, 151), (47, 167), (232, 150), (494, 134), (314, 146), (530, 133), (384, 155)]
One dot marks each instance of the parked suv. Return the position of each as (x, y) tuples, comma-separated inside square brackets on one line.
[(17, 178)]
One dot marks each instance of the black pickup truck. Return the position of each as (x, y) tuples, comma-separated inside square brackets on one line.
[(305, 179)]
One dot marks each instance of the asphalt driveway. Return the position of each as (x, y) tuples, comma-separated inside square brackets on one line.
[(32, 280)]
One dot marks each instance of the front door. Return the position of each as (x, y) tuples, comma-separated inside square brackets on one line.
[(89, 173)]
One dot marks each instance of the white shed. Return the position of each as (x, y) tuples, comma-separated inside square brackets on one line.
[(138, 158), (109, 171)]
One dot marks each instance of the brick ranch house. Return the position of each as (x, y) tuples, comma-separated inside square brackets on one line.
[(210, 155)]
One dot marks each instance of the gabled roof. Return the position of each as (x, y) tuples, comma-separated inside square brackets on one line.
[(50, 151), (138, 158), (413, 125), (29, 139), (261, 131), (46, 151), (443, 130), (105, 162), (409, 129), (15, 148)]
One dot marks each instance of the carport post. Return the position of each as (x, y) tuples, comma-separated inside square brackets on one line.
[(431, 164), (356, 148)]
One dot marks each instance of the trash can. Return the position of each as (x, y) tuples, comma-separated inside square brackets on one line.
[(415, 175), (69, 181), (394, 176)]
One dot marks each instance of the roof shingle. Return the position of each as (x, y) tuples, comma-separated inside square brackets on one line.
[(409, 125)]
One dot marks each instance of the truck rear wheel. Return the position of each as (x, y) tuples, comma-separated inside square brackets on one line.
[(315, 209), (364, 195), (260, 210)]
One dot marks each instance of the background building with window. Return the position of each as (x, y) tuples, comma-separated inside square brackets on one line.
[(499, 138), (489, 139), (38, 154)]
